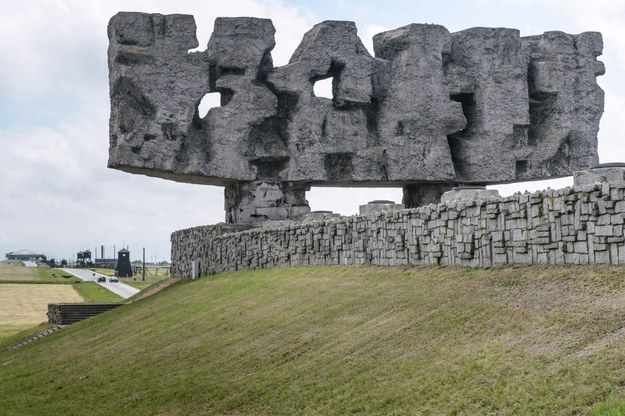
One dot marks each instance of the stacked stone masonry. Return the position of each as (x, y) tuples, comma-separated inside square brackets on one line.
[(578, 225)]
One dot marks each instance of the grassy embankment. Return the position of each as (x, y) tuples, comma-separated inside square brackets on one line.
[(153, 274), (341, 340), (26, 291)]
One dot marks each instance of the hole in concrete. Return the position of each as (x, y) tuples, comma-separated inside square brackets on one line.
[(521, 168), (457, 139), (329, 85), (210, 100), (399, 130), (542, 107), (226, 96), (323, 88), (232, 71), (266, 65), (467, 100), (519, 135)]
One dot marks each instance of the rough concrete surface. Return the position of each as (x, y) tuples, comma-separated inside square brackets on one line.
[(430, 110)]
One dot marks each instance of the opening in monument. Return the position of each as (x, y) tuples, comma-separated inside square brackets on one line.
[(323, 88), (455, 140), (210, 100), (347, 201)]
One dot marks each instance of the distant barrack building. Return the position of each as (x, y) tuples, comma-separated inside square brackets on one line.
[(25, 255)]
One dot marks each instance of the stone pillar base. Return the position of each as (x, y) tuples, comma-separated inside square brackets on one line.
[(320, 216), (377, 206), (259, 201), (469, 193), (614, 173), (421, 195)]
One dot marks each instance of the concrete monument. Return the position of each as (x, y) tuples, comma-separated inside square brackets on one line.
[(431, 110)]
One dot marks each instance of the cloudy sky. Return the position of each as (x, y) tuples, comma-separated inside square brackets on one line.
[(57, 195)]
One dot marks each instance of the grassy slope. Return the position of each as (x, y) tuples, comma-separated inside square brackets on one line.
[(14, 271), (18, 273), (341, 340), (89, 291)]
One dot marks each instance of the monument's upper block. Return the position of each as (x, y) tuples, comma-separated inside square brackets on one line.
[(479, 106)]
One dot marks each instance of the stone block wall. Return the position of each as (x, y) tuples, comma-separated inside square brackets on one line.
[(578, 225)]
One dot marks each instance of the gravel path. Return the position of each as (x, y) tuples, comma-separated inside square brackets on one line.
[(121, 289)]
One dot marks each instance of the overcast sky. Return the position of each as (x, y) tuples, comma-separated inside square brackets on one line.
[(57, 195)]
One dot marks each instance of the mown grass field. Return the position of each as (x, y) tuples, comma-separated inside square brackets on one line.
[(26, 291), (16, 272), (11, 271), (25, 305), (341, 340)]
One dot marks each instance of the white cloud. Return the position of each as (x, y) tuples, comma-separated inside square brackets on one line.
[(59, 197), (611, 147), (606, 16)]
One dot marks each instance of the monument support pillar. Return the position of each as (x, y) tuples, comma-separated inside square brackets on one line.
[(424, 194), (612, 173), (258, 201)]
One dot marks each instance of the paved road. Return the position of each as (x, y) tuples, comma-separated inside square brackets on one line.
[(29, 263), (122, 289)]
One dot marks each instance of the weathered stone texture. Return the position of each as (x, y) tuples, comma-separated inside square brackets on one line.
[(566, 103), (263, 201), (431, 109), (156, 86), (468, 194), (328, 140), (488, 74), (579, 225), (415, 111), (239, 56)]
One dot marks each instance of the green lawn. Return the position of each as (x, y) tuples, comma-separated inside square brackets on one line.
[(93, 292), (57, 276), (16, 272), (89, 291), (16, 333), (341, 340)]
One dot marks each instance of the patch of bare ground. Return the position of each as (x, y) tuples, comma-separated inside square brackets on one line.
[(155, 288)]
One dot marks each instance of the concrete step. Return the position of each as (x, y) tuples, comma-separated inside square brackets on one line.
[(69, 313)]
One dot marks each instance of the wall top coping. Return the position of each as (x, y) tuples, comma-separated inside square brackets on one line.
[(520, 198)]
